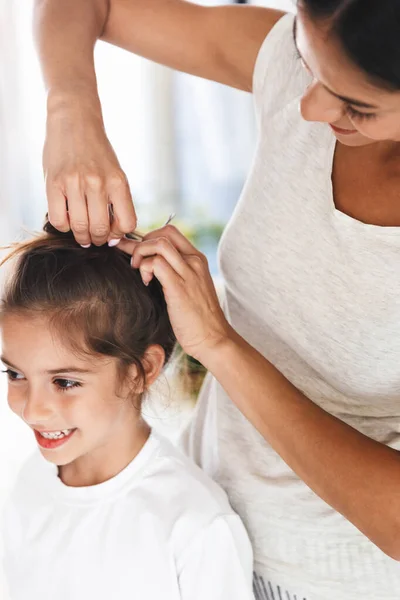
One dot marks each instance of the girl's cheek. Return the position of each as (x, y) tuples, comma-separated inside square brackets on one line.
[(15, 402)]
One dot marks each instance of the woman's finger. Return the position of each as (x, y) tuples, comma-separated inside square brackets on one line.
[(77, 211), (177, 238), (98, 213), (198, 263), (124, 215), (157, 266), (127, 246), (160, 247), (58, 213)]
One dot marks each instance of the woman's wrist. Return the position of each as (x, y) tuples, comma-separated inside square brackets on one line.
[(217, 351), (62, 102)]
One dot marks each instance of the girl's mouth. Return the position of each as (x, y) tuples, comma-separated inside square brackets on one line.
[(53, 439)]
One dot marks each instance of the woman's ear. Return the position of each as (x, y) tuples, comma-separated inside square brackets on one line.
[(153, 363)]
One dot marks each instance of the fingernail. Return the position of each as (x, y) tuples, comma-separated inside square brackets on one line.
[(86, 246), (146, 281), (114, 242)]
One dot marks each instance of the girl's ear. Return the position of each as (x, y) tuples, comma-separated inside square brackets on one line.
[(153, 363)]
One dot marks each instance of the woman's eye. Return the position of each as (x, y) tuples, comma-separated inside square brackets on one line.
[(66, 384), (355, 114), (13, 375), (303, 64)]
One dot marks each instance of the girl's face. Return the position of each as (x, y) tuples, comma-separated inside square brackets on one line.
[(76, 406), (340, 94)]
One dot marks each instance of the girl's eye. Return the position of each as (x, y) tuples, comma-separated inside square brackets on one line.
[(13, 375), (66, 384), (355, 114)]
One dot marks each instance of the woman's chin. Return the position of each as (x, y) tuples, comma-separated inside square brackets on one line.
[(354, 140)]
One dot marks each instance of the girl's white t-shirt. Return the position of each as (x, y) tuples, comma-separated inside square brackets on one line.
[(160, 529), (318, 294)]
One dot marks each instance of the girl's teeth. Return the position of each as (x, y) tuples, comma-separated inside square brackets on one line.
[(55, 435)]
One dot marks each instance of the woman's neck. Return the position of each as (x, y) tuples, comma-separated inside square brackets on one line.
[(383, 153)]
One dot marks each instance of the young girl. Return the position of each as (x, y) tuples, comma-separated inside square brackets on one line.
[(106, 509)]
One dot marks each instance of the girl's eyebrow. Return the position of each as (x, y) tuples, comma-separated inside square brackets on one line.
[(343, 98), (7, 362), (68, 370), (50, 371)]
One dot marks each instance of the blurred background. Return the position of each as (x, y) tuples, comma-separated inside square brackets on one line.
[(184, 143)]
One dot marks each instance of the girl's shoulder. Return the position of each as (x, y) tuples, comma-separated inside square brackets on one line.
[(189, 488), (26, 495), (190, 502), (33, 476)]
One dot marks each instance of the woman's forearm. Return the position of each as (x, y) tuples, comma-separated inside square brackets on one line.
[(357, 476), (66, 32)]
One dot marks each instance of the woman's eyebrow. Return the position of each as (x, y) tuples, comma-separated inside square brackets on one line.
[(294, 31), (345, 99)]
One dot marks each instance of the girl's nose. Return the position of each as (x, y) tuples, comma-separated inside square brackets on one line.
[(36, 410), (319, 105)]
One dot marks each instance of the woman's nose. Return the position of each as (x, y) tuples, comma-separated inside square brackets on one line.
[(319, 105)]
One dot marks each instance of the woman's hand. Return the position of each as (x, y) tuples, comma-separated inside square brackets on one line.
[(194, 310), (83, 177)]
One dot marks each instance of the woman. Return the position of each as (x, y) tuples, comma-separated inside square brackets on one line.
[(298, 419)]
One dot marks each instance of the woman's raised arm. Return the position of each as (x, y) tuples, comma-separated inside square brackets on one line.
[(82, 173)]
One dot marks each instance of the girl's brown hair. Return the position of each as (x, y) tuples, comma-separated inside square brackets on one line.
[(93, 298)]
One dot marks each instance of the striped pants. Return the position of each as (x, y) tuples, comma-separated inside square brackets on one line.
[(265, 590)]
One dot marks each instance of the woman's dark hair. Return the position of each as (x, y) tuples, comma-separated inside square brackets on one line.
[(369, 31), (92, 296)]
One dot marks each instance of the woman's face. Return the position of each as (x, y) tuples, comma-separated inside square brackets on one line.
[(340, 94), (54, 390)]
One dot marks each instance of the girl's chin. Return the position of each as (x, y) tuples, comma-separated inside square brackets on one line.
[(58, 459)]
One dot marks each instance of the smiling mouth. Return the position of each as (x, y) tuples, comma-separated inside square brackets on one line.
[(53, 439), (52, 435), (343, 131)]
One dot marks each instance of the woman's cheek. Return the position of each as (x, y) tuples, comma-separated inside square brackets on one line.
[(379, 131)]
